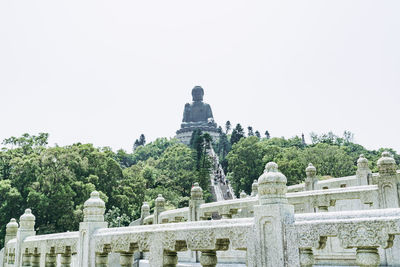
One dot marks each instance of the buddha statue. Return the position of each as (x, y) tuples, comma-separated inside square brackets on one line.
[(198, 113)]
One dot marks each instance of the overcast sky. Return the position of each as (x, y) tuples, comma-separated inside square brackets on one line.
[(104, 72)]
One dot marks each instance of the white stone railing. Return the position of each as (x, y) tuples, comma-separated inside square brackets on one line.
[(365, 230), (9, 253), (164, 241), (321, 200), (42, 249), (363, 186), (177, 215), (273, 236), (306, 201)]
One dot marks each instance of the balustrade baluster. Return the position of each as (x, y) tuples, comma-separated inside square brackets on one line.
[(65, 259), (13, 257), (126, 259), (101, 259), (51, 258), (26, 258), (35, 258), (9, 257), (170, 259), (306, 257), (367, 257), (208, 258)]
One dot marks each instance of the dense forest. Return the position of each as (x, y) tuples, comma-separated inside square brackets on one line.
[(55, 181), (243, 157)]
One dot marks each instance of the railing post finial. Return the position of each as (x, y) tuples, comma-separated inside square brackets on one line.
[(254, 188), (274, 216), (311, 180), (387, 164), (94, 208), (93, 219), (196, 199)]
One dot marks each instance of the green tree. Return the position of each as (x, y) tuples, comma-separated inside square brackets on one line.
[(124, 159), (11, 204), (142, 140), (222, 148), (227, 127), (267, 135), (245, 163), (237, 134), (152, 150), (250, 131), (178, 170)]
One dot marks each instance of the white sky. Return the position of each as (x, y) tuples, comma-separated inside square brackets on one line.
[(106, 71)]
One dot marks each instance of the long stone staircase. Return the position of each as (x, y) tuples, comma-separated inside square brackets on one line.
[(221, 189)]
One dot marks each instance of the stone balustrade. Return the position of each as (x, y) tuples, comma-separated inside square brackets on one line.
[(43, 250), (177, 215), (164, 241), (321, 200), (314, 195), (272, 235), (306, 201), (9, 253), (365, 230)]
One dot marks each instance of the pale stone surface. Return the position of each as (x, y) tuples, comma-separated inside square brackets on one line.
[(93, 210), (274, 218), (270, 235), (2, 253), (311, 180), (254, 188)]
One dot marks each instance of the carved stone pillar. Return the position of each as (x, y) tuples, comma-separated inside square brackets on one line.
[(65, 259), (311, 180), (387, 181), (144, 212), (389, 195), (93, 219), (367, 256), (35, 258), (26, 258), (126, 259), (159, 207), (363, 173), (274, 219), (51, 259), (208, 258), (170, 259), (11, 230), (196, 199), (101, 259), (306, 257), (26, 229), (254, 188)]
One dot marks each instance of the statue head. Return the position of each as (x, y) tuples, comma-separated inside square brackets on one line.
[(197, 93)]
